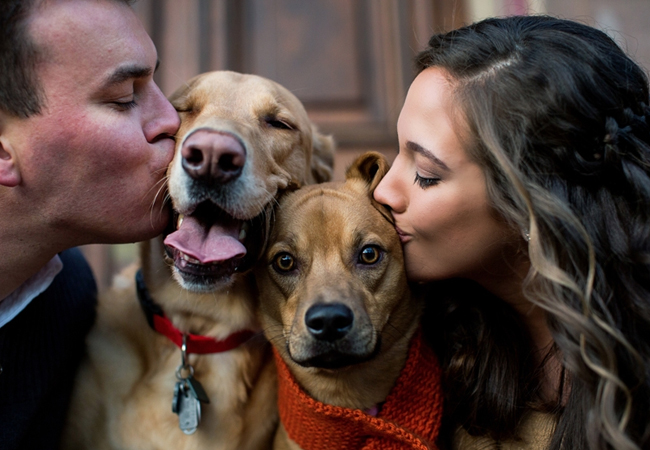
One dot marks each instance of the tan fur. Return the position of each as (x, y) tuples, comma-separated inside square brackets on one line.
[(324, 227), (124, 389)]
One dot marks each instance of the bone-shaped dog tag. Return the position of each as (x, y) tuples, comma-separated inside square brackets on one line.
[(189, 412)]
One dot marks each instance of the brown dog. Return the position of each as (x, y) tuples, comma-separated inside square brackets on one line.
[(243, 140), (335, 304)]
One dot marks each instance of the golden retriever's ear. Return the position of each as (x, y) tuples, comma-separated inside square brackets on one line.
[(178, 96), (322, 158), (370, 167)]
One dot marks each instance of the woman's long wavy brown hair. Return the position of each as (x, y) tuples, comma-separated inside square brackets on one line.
[(557, 115)]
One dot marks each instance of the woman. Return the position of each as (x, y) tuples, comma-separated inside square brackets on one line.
[(522, 190)]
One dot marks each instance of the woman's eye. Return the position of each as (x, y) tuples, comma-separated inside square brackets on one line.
[(426, 182), (284, 262), (369, 255)]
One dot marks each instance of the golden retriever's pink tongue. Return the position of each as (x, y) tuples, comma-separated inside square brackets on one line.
[(216, 244)]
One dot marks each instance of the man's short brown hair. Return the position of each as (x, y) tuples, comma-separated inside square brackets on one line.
[(21, 94)]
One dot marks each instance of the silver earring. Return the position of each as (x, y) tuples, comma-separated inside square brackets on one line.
[(527, 235)]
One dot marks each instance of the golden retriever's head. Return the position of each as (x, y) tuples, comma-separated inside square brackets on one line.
[(333, 271), (243, 139)]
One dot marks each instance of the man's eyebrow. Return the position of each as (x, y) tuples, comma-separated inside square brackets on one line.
[(417, 148), (125, 73)]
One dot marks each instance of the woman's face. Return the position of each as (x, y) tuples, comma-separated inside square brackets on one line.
[(438, 195)]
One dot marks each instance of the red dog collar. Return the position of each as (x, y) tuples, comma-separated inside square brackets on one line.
[(195, 343)]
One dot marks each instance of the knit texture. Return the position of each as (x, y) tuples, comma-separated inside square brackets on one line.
[(409, 419), (40, 350)]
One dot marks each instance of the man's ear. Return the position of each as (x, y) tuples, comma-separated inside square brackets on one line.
[(9, 173)]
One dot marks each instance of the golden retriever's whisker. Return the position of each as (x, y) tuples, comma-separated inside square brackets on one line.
[(162, 169), (161, 188)]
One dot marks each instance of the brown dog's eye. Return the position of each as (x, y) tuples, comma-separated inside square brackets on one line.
[(369, 255), (284, 262)]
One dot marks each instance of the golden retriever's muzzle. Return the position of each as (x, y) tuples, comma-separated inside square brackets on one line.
[(209, 245)]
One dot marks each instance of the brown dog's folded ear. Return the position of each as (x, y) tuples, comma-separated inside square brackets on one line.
[(322, 158), (370, 167)]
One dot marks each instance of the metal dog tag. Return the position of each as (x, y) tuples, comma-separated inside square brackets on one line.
[(189, 412), (197, 390), (179, 390)]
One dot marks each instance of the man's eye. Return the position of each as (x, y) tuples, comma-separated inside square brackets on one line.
[(124, 106), (425, 182)]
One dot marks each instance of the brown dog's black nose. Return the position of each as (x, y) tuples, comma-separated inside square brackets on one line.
[(212, 156), (329, 321)]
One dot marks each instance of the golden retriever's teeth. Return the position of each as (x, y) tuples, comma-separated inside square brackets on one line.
[(179, 221), (244, 231), (189, 259)]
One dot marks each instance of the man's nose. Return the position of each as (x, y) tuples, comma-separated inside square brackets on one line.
[(162, 120)]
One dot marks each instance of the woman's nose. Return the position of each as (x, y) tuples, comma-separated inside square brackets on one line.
[(388, 193)]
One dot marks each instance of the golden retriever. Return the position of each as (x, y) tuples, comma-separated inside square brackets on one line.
[(243, 140), (335, 303)]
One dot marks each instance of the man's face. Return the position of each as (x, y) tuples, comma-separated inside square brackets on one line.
[(93, 162)]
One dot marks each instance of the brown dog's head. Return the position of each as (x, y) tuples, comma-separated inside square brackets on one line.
[(243, 139), (333, 274)]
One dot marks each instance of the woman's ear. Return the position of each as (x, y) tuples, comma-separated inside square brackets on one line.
[(369, 167)]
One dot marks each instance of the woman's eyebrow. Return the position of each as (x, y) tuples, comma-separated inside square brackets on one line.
[(417, 148)]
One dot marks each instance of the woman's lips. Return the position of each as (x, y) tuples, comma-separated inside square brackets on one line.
[(404, 237)]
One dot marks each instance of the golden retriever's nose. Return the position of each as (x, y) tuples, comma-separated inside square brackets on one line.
[(212, 156), (329, 321)]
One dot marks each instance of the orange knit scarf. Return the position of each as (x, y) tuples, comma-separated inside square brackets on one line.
[(409, 419)]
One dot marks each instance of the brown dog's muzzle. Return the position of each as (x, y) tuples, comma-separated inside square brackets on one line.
[(329, 321)]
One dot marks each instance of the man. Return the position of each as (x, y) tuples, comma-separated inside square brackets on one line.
[(85, 137)]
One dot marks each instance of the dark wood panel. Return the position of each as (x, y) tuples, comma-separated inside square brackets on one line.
[(311, 47), (349, 61)]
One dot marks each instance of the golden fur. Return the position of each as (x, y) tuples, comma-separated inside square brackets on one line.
[(124, 389), (324, 229)]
